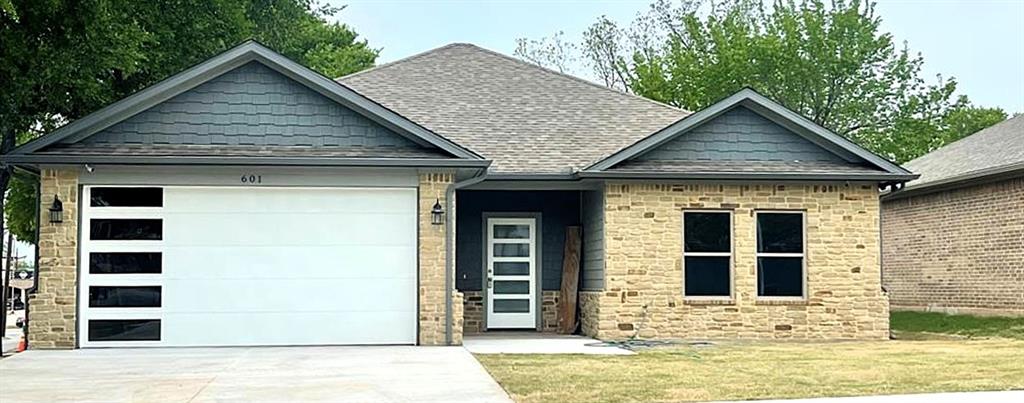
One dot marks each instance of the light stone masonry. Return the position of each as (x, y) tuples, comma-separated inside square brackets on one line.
[(643, 273)]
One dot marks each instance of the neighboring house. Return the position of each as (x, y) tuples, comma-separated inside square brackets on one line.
[(251, 201), (954, 238)]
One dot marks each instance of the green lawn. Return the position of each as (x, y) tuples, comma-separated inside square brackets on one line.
[(923, 360), (906, 324)]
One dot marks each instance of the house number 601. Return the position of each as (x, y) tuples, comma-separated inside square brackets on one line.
[(252, 178)]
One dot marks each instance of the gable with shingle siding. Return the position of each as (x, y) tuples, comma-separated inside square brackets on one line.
[(740, 135), (250, 106)]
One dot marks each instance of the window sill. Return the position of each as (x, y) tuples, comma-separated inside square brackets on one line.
[(782, 301), (708, 301)]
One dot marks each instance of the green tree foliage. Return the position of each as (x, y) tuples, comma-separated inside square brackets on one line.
[(832, 63), (62, 59)]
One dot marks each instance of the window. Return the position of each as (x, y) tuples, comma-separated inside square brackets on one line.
[(707, 253), (119, 229), (126, 197), (124, 263), (780, 254), (124, 330), (124, 297)]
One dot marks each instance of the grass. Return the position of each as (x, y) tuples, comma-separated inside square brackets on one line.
[(913, 325), (736, 371)]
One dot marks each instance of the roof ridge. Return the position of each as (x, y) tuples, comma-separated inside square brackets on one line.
[(517, 61), (569, 76), (964, 138), (404, 59)]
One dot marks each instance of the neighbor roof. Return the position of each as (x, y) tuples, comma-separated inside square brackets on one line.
[(996, 150), (524, 118)]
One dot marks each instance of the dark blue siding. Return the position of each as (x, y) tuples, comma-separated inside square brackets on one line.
[(558, 209), (251, 106), (740, 135)]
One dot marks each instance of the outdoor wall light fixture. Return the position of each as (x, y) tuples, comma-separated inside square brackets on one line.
[(56, 210), (437, 213)]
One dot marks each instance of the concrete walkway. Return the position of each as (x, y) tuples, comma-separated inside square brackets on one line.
[(987, 397), (499, 342), (265, 374)]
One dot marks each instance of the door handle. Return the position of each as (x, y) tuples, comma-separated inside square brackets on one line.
[(490, 282)]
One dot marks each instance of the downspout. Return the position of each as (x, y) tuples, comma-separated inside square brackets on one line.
[(449, 241)]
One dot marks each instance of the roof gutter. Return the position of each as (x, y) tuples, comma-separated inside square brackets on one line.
[(746, 176), (449, 253), (971, 178), (72, 159)]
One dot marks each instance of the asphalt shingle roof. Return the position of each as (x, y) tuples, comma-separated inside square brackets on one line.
[(998, 146), (524, 118)]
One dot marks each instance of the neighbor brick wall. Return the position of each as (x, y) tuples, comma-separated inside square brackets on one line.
[(643, 265), (959, 250), (53, 309), (432, 263)]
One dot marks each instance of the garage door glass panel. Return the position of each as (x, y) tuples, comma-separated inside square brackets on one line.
[(511, 306), (124, 330), (122, 229), (124, 297), (512, 268), (126, 197), (125, 263)]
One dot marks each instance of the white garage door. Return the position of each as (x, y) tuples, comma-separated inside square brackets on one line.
[(235, 266)]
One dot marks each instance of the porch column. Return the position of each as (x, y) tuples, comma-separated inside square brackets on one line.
[(53, 306), (432, 265)]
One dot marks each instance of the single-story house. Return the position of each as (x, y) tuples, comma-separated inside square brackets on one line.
[(251, 201), (954, 238)]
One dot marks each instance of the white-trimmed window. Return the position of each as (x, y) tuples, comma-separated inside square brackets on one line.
[(707, 254), (780, 254)]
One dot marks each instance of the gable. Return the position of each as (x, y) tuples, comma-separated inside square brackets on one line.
[(746, 136), (251, 105), (245, 106), (740, 134)]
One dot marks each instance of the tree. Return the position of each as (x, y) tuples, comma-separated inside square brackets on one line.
[(62, 59), (831, 63), (551, 52)]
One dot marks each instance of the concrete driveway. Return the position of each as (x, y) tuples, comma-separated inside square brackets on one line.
[(264, 374)]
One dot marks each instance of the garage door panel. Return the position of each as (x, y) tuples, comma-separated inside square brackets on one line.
[(273, 229), (368, 261), (272, 266), (313, 201), (270, 329), (288, 295)]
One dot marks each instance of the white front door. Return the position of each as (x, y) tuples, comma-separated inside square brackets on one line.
[(511, 273)]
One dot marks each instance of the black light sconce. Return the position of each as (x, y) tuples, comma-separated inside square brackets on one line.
[(56, 211), (437, 213)]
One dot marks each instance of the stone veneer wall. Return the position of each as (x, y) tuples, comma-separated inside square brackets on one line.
[(958, 251), (473, 308), (589, 309), (432, 264), (643, 268), (54, 304)]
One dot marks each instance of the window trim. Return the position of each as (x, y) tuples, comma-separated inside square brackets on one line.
[(731, 254), (802, 256)]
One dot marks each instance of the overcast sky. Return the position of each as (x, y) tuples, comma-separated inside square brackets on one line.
[(980, 42)]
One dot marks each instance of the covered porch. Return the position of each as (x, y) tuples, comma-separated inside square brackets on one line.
[(511, 249)]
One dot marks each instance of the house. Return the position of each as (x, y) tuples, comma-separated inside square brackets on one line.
[(250, 201), (954, 238)]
